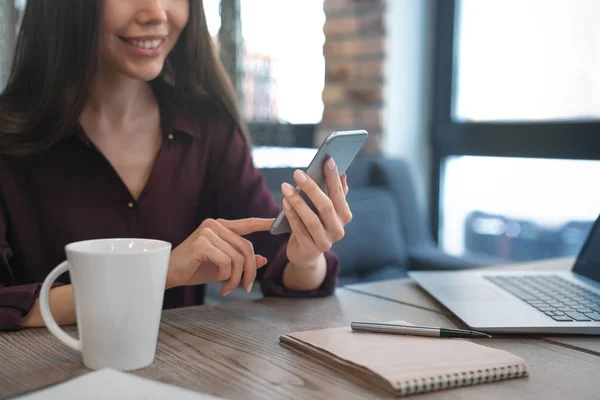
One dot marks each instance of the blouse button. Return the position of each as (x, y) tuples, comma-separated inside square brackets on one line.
[(130, 204), (170, 136)]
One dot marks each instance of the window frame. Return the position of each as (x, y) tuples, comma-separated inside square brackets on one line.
[(269, 133), (561, 139)]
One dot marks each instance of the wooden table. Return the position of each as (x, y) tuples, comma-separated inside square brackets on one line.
[(232, 350)]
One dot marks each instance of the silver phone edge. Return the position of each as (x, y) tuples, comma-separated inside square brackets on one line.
[(335, 134)]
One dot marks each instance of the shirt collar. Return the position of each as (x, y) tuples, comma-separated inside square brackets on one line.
[(172, 117), (172, 120), (175, 120)]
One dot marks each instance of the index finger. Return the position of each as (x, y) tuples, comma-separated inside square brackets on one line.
[(248, 225)]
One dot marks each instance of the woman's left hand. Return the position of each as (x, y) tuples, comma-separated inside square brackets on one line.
[(312, 233)]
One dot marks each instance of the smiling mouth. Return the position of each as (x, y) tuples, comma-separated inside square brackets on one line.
[(143, 44)]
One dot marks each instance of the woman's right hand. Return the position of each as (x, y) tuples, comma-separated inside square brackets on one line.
[(216, 251)]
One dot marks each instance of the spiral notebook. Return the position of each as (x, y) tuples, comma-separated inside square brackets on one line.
[(406, 365)]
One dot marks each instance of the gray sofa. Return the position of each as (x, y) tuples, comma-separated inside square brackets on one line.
[(388, 234)]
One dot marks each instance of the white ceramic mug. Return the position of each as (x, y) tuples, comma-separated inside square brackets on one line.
[(119, 285)]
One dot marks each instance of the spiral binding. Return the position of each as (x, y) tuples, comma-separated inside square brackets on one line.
[(455, 380)]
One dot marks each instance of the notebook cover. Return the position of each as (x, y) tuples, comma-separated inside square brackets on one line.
[(407, 365)]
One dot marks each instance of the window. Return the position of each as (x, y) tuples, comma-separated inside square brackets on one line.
[(282, 73), (283, 67), (527, 60), (516, 129), (10, 13), (518, 208)]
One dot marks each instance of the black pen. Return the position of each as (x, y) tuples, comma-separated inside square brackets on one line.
[(415, 330)]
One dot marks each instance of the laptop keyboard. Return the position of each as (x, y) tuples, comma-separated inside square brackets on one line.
[(556, 297)]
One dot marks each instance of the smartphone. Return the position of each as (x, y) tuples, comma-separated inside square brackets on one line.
[(342, 146)]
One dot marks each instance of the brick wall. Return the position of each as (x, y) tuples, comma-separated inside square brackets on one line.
[(354, 65)]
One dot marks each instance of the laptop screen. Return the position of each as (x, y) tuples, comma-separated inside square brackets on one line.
[(588, 261)]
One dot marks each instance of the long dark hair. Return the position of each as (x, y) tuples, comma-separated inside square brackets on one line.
[(56, 62)]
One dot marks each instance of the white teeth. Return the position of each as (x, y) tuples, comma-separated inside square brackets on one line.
[(145, 44)]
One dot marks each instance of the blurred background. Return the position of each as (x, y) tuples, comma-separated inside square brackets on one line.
[(493, 104)]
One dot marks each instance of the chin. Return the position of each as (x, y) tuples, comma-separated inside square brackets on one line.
[(145, 74), (142, 71)]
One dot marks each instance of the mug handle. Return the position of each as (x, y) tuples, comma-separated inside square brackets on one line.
[(53, 327)]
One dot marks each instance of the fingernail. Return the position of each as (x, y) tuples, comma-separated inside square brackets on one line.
[(299, 176), (227, 292), (331, 163), (249, 289), (286, 204), (263, 261), (287, 189)]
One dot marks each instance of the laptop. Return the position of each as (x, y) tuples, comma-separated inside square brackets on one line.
[(565, 302)]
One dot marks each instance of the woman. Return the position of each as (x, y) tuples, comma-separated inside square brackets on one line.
[(118, 121)]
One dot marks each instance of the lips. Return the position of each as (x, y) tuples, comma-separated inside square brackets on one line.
[(143, 43), (149, 42), (146, 44)]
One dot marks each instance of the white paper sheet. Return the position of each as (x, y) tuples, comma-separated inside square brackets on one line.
[(114, 385)]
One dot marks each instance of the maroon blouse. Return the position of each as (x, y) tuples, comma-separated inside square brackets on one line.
[(71, 192)]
